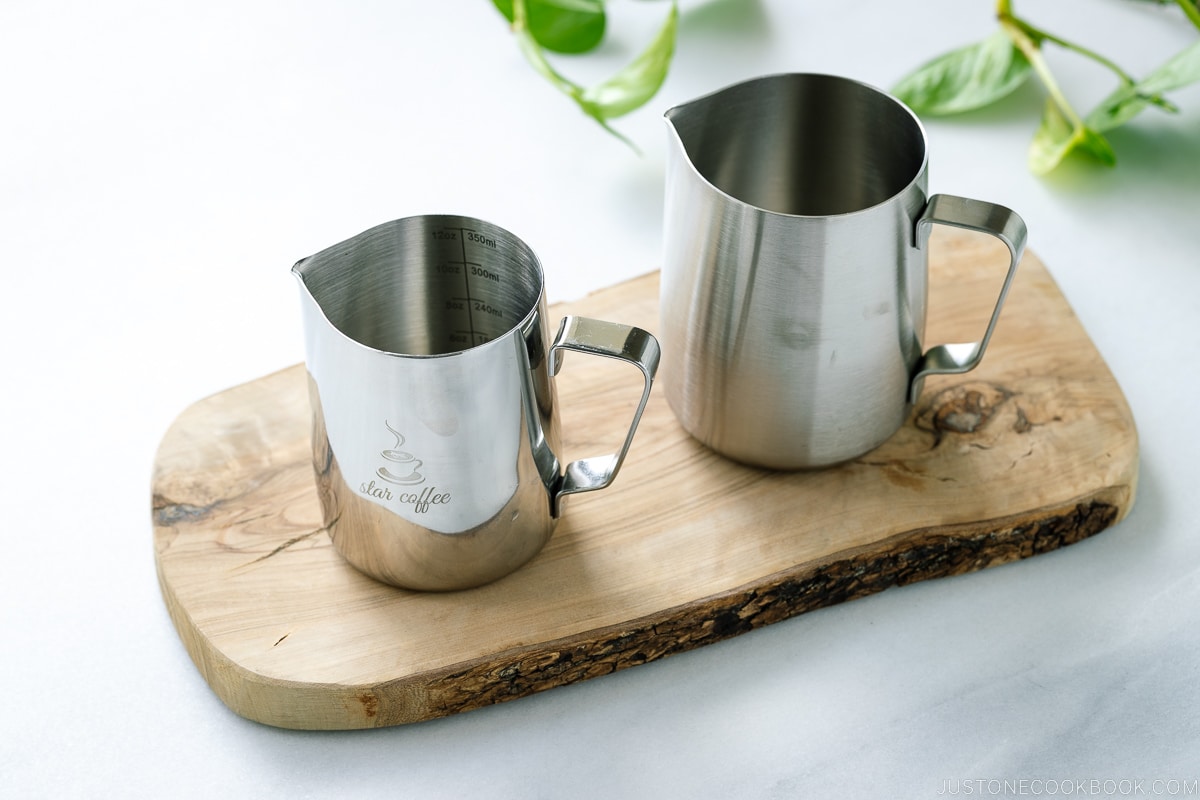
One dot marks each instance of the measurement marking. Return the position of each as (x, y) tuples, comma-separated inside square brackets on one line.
[(486, 309), (479, 238), (462, 242), (462, 337), (480, 271)]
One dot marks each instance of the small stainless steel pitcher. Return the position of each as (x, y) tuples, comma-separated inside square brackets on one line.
[(794, 276), (436, 438)]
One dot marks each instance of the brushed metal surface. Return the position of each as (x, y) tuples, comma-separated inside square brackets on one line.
[(794, 282), (436, 441)]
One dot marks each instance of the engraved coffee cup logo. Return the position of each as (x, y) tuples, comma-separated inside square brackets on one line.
[(402, 467)]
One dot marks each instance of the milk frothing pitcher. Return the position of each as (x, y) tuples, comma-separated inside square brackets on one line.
[(793, 293), (436, 442)]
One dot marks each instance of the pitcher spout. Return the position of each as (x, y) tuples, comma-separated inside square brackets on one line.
[(679, 119), (705, 138)]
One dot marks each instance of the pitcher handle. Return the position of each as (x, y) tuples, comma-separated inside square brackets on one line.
[(612, 340), (974, 215)]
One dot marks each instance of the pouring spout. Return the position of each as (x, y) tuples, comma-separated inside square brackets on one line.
[(311, 309), (676, 116)]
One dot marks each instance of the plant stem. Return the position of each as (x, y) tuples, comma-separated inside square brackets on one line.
[(535, 56), (1040, 34), (1190, 11), (1021, 38)]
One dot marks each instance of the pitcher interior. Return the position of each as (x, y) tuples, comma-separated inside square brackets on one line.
[(426, 285), (811, 145)]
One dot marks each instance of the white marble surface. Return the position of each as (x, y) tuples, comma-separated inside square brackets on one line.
[(163, 164)]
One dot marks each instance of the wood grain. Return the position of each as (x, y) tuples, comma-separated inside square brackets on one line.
[(1034, 450)]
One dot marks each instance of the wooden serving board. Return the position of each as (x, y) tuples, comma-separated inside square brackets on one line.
[(1034, 450)]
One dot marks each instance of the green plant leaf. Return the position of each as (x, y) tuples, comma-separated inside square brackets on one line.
[(640, 80), (1182, 69), (1129, 100), (1052, 141), (534, 55), (1056, 137), (628, 89), (1122, 105), (965, 79), (561, 26)]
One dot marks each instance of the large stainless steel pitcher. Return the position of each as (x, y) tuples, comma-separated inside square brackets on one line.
[(794, 275), (435, 426)]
